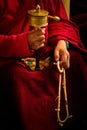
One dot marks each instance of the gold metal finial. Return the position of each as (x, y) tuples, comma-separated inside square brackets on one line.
[(38, 8)]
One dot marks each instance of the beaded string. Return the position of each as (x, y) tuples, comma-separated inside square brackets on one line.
[(62, 78)]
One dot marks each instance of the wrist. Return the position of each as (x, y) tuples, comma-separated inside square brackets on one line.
[(67, 44)]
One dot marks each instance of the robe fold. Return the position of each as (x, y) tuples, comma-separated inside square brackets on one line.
[(28, 98), (79, 16)]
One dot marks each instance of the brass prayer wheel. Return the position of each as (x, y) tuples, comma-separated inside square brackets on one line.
[(39, 18)]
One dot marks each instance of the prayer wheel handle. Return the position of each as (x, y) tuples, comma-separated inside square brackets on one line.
[(56, 18), (39, 18)]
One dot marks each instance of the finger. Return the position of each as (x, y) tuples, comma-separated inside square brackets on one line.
[(56, 55), (41, 38), (65, 61), (40, 32), (37, 45)]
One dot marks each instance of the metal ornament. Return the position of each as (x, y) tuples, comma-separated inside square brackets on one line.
[(39, 18)]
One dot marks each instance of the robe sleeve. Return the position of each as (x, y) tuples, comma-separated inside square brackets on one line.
[(63, 29), (13, 30), (14, 46)]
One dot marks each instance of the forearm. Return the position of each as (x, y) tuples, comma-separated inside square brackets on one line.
[(64, 30)]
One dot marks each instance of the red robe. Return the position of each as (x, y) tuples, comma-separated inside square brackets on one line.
[(28, 98), (79, 16)]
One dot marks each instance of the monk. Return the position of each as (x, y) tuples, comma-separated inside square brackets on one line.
[(28, 77)]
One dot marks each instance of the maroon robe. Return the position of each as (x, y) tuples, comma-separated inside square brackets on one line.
[(79, 16), (28, 97)]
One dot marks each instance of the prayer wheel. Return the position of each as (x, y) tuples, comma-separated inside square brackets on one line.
[(39, 17)]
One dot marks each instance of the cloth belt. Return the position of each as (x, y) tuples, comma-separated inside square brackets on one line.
[(31, 63)]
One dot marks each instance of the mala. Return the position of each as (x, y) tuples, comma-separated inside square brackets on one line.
[(62, 84)]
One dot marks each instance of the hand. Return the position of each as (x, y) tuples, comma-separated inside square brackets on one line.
[(62, 55), (36, 39)]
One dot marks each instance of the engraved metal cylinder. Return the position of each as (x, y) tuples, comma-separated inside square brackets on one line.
[(38, 17)]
